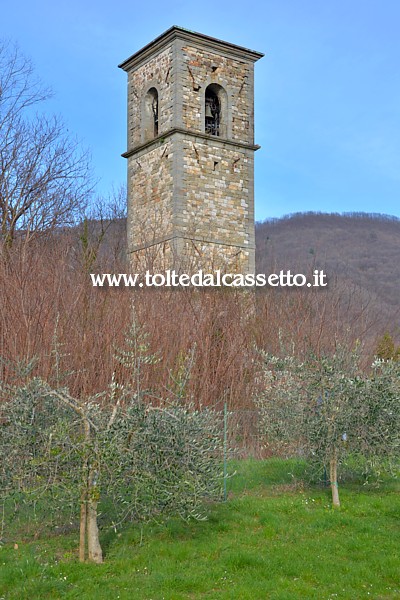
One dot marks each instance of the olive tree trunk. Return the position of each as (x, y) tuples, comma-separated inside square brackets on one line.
[(88, 530), (95, 553), (333, 480)]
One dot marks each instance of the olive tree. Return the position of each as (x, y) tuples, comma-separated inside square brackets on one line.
[(378, 413), (137, 459), (327, 410)]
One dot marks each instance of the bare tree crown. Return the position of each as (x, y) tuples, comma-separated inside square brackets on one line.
[(45, 178)]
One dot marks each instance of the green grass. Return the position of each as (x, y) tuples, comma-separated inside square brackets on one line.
[(273, 539)]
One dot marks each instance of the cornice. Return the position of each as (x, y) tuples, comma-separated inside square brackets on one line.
[(199, 39), (188, 132), (180, 236)]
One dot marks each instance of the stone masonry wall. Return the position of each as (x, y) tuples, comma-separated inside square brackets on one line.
[(157, 72), (150, 215), (216, 182), (204, 67), (192, 257)]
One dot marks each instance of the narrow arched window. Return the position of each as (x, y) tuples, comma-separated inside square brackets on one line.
[(150, 124), (212, 111)]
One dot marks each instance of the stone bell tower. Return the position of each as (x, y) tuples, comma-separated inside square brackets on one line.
[(191, 153)]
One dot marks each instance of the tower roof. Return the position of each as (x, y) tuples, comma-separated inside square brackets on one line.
[(190, 36)]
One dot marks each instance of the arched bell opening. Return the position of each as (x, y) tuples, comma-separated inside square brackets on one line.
[(216, 111), (150, 116)]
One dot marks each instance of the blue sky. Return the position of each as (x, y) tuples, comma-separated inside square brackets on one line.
[(327, 91)]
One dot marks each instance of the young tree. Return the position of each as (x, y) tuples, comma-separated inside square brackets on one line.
[(386, 349), (141, 460), (45, 177), (326, 409), (379, 418)]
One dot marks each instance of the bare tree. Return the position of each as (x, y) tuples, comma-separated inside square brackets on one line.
[(103, 229), (45, 177)]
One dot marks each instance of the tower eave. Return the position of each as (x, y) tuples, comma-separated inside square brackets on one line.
[(175, 32)]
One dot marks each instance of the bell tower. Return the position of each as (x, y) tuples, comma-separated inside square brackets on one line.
[(191, 153)]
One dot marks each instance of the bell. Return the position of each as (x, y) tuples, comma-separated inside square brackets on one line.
[(209, 114)]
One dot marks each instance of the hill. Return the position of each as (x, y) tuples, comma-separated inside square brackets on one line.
[(361, 250)]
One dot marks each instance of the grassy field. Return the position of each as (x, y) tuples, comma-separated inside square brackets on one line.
[(273, 539)]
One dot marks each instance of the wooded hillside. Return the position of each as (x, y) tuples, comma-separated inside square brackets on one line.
[(362, 250)]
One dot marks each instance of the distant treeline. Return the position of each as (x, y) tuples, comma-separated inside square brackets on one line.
[(308, 216)]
